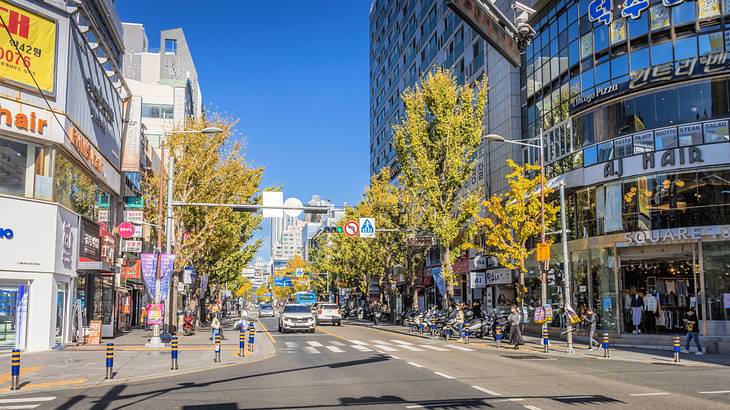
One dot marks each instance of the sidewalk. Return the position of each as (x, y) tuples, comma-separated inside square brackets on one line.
[(82, 366), (558, 348)]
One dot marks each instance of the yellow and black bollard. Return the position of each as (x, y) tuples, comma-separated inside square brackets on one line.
[(15, 370), (498, 335), (676, 344), (173, 353), (217, 351), (251, 335), (466, 336), (545, 339), (242, 342), (606, 348), (109, 361)]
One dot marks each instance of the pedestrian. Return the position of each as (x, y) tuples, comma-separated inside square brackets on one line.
[(215, 323), (477, 309), (460, 320), (693, 331), (375, 312), (591, 320), (515, 332), (144, 318)]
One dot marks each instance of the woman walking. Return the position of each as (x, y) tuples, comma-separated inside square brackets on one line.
[(515, 332), (460, 320)]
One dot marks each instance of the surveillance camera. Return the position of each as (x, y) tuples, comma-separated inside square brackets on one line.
[(523, 8), (525, 30)]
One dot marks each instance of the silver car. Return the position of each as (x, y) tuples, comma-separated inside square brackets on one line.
[(266, 311), (296, 317)]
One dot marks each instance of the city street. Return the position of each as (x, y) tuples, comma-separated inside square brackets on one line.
[(355, 365)]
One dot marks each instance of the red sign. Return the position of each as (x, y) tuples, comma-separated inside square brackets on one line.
[(461, 265), (126, 230), (132, 272), (351, 228)]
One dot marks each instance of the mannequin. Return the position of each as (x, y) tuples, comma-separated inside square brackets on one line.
[(651, 306), (637, 309)]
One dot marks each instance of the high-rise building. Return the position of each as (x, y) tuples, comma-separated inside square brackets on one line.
[(409, 38)]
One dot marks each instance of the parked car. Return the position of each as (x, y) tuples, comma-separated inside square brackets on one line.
[(329, 313), (266, 311), (296, 317)]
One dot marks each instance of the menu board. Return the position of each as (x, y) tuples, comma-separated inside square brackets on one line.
[(94, 337)]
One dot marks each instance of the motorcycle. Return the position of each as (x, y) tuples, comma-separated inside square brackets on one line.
[(188, 324)]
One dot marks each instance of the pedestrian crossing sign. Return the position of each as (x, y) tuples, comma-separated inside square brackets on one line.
[(367, 227)]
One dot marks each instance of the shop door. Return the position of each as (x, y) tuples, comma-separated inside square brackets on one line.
[(13, 316), (61, 297)]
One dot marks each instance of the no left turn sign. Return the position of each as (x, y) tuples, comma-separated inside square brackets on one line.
[(351, 228)]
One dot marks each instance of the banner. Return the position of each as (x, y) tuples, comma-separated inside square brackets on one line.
[(149, 272), (133, 135), (203, 285), (35, 38), (438, 279)]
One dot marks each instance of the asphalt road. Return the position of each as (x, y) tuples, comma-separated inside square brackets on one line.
[(356, 366)]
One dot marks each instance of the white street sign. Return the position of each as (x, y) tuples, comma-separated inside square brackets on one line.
[(367, 227), (135, 217), (275, 199), (477, 280), (131, 246)]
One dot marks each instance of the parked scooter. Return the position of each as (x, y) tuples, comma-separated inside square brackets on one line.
[(188, 324)]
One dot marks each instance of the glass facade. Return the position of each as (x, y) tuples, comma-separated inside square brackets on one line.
[(74, 189), (24, 169)]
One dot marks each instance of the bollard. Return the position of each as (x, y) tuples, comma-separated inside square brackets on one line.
[(545, 339), (173, 353), (109, 360), (433, 330), (217, 351), (251, 335), (421, 328), (466, 336), (15, 369), (676, 343), (498, 335), (605, 345), (242, 342)]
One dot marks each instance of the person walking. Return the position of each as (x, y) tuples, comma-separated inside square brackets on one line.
[(693, 331), (460, 320), (375, 312), (591, 319), (515, 331)]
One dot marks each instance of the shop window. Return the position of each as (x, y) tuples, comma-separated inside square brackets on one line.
[(590, 156), (643, 142), (630, 202), (605, 151), (640, 26), (666, 138), (157, 111), (689, 134), (684, 13), (713, 188), (14, 160), (717, 285), (72, 187), (623, 147), (716, 131)]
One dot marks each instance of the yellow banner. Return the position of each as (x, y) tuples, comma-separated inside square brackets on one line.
[(33, 44)]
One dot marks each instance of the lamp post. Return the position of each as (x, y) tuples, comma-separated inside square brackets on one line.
[(539, 146), (155, 341)]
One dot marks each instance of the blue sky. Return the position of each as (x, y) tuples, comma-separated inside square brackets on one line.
[(296, 75)]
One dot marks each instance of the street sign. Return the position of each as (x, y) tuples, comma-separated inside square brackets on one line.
[(126, 230), (272, 199), (543, 252), (279, 281), (136, 217), (135, 202), (367, 227), (476, 280), (300, 272), (351, 228), (131, 246)]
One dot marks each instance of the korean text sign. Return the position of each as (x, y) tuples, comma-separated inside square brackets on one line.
[(35, 38)]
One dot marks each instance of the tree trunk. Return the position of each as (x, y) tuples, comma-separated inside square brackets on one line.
[(446, 267)]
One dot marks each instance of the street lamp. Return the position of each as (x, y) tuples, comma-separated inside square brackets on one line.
[(155, 341), (539, 146)]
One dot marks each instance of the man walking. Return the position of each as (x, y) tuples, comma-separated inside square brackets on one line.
[(591, 320), (693, 331)]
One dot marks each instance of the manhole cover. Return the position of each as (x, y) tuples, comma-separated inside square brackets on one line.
[(526, 357)]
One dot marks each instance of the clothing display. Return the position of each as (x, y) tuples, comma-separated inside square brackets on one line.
[(636, 314)]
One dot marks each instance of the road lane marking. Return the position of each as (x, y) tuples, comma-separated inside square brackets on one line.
[(444, 375), (462, 348), (379, 342), (266, 331), (532, 407), (506, 400), (385, 348), (394, 357), (714, 392), (315, 344), (361, 348), (414, 364), (357, 342), (27, 399), (438, 349), (336, 343), (411, 348), (291, 344), (415, 406), (20, 406), (649, 394), (401, 342), (482, 389), (335, 349), (312, 350)]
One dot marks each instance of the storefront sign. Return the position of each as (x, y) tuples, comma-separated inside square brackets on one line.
[(461, 265), (602, 10), (34, 46), (6, 233), (132, 246), (476, 280), (23, 119), (132, 272), (90, 243), (677, 234), (543, 252), (497, 277), (94, 336), (135, 217), (103, 216), (86, 149), (132, 138), (134, 202)]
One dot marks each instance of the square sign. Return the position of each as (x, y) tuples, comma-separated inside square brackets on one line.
[(367, 227)]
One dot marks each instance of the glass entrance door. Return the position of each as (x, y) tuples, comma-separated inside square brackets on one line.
[(61, 297), (13, 316)]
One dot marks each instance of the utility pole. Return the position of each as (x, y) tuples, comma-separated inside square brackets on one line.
[(566, 266)]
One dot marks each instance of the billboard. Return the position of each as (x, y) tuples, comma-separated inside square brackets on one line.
[(33, 44)]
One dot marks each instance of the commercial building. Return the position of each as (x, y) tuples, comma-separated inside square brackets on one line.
[(633, 105), (60, 154)]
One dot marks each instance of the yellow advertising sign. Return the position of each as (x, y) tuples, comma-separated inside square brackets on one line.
[(33, 45), (543, 252)]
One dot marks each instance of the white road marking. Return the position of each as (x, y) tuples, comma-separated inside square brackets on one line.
[(379, 342), (462, 348), (649, 394), (444, 375), (532, 407), (311, 350), (401, 342), (335, 349), (357, 342), (27, 399), (714, 392), (438, 349), (482, 389), (290, 344), (362, 348), (394, 357), (411, 348), (415, 406), (315, 344), (336, 343), (385, 348), (504, 400), (414, 364), (19, 406)]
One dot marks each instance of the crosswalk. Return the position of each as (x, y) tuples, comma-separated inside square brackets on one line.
[(24, 402), (375, 346)]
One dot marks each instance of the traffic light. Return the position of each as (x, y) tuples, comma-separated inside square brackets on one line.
[(333, 229)]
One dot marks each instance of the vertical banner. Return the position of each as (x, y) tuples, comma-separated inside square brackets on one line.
[(132, 137), (149, 272), (438, 279), (203, 285)]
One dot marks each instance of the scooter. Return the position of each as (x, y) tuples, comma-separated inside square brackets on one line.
[(188, 324)]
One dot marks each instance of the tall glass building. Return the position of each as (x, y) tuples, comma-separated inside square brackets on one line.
[(632, 101)]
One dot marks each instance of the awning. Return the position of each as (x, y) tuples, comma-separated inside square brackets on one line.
[(96, 266)]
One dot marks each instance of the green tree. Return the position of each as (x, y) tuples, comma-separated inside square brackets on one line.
[(514, 217), (435, 144)]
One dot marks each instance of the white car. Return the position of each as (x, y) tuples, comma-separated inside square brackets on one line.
[(296, 317), (328, 312)]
